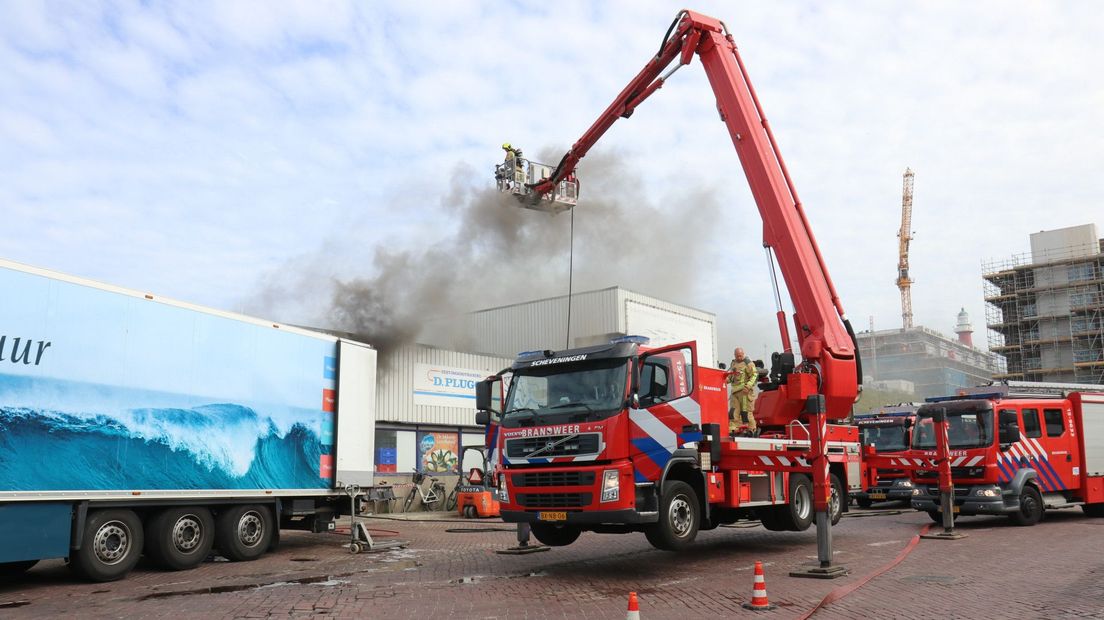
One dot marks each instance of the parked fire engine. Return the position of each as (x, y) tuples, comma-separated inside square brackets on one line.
[(1017, 449), (624, 437), (889, 431)]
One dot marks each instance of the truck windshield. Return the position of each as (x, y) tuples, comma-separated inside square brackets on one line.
[(545, 394), (885, 438), (965, 429)]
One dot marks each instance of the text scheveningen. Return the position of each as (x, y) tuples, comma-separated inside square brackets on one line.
[(559, 360)]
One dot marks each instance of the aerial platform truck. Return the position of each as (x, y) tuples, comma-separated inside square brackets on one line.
[(625, 437)]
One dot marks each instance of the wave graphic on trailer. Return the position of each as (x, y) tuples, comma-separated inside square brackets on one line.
[(210, 446)]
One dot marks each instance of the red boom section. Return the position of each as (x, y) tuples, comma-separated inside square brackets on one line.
[(828, 353)]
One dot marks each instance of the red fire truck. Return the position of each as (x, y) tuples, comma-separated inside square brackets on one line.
[(625, 437), (1017, 449), (622, 437), (889, 431)]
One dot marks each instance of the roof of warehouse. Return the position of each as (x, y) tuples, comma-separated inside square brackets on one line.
[(597, 290)]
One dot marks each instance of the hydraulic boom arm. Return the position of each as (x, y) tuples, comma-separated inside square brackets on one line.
[(829, 358)]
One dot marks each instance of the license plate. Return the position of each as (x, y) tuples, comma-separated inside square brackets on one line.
[(954, 510), (552, 516), (877, 496)]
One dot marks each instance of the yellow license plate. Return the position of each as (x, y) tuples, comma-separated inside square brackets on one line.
[(552, 516), (877, 496), (954, 510)]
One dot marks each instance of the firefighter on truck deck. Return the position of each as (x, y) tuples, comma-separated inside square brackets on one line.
[(742, 377)]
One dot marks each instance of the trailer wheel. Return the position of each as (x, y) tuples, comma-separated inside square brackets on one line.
[(1093, 510), (14, 569), (1031, 507), (835, 500), (555, 535), (242, 533), (679, 517), (112, 545), (180, 538)]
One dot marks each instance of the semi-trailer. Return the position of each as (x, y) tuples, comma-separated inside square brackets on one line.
[(134, 425)]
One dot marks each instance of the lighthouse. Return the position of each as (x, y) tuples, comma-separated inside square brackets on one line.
[(964, 330)]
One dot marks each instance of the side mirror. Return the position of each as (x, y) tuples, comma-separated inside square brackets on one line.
[(483, 396), (482, 418)]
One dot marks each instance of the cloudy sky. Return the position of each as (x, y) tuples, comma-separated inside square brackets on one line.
[(203, 150)]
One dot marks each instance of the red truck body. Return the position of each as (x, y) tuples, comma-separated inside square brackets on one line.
[(1016, 454), (598, 460), (888, 430)]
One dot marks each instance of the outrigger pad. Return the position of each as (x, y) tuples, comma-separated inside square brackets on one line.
[(816, 571), (951, 535)]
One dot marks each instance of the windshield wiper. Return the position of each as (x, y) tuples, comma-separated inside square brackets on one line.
[(533, 415), (579, 404), (530, 409)]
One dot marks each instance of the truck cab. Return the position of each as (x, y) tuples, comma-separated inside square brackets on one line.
[(889, 431)]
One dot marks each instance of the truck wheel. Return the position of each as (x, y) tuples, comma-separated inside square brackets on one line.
[(679, 516), (1093, 510), (835, 500), (797, 515), (409, 500), (864, 502), (112, 544), (936, 516), (180, 538), (555, 535), (14, 569), (1031, 507), (772, 518), (242, 533)]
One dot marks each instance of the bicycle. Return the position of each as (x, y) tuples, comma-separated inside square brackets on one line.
[(431, 499)]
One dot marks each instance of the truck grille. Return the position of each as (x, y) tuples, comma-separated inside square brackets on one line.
[(956, 472), (576, 446), (553, 500), (554, 479)]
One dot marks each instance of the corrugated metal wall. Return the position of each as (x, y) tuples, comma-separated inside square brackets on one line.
[(625, 296), (395, 396)]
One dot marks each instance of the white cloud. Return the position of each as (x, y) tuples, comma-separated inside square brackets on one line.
[(191, 148)]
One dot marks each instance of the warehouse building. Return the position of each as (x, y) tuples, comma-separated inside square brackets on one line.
[(1045, 309), (425, 413)]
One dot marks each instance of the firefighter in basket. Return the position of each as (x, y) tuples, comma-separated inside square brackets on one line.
[(741, 378)]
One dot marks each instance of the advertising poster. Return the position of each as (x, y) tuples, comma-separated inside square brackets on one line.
[(446, 386), (102, 391), (438, 452)]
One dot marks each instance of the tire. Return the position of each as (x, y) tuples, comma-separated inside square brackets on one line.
[(469, 512), (243, 533), (864, 502), (112, 544), (439, 489), (1031, 507), (180, 538), (1093, 510), (14, 569), (773, 519), (835, 501), (679, 518), (409, 500), (450, 503), (555, 535), (936, 516), (797, 514)]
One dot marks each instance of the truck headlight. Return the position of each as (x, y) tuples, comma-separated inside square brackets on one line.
[(917, 492), (611, 489), (905, 482), (503, 493), (989, 492)]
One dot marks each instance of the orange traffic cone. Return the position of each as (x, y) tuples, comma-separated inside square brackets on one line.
[(634, 608), (759, 599)]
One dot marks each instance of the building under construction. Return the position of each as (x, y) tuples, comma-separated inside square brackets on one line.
[(1045, 309), (925, 360)]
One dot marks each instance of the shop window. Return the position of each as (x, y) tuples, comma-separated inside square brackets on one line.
[(438, 452), (387, 453)]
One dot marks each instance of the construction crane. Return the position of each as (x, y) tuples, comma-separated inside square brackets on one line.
[(904, 282)]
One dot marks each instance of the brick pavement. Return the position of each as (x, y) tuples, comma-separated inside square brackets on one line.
[(1053, 570)]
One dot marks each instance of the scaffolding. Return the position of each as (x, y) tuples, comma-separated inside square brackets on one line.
[(1047, 317)]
